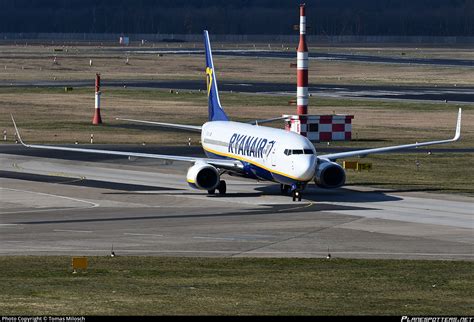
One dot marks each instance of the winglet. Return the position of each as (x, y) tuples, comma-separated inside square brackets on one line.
[(458, 126), (17, 132)]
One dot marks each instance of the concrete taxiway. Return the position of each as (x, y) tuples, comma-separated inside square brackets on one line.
[(51, 204)]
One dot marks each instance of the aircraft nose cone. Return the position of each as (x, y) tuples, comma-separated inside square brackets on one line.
[(307, 168)]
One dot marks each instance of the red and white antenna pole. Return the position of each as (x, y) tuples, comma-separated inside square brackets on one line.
[(302, 67), (97, 119)]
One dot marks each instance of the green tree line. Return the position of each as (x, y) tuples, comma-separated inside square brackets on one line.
[(325, 17)]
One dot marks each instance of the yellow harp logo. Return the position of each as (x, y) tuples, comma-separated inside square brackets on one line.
[(209, 80)]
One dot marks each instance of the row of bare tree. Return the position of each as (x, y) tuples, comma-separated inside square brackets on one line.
[(325, 17)]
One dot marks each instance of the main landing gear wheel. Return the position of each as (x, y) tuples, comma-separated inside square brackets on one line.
[(284, 188), (222, 187), (296, 195)]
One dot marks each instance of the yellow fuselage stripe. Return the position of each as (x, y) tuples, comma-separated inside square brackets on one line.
[(233, 156)]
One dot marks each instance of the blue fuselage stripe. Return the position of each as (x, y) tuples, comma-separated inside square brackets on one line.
[(253, 171)]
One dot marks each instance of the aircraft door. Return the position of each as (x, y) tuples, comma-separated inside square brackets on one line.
[(273, 157)]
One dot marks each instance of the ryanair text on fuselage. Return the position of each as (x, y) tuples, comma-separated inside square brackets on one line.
[(250, 146)]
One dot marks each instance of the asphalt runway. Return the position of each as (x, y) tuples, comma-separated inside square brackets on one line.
[(291, 54), (413, 93), (55, 205)]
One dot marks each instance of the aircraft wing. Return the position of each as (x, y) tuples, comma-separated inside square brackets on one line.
[(365, 152), (192, 128), (225, 164)]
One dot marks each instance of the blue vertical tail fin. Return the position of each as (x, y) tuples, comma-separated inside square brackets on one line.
[(216, 113)]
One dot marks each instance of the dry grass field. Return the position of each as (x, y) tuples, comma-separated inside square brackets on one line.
[(34, 62), (52, 115), (128, 285)]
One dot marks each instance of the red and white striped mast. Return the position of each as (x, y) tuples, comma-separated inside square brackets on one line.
[(302, 68), (97, 119)]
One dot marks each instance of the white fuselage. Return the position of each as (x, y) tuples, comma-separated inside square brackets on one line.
[(267, 153)]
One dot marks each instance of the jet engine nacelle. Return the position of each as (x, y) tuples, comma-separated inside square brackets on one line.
[(203, 176), (330, 175)]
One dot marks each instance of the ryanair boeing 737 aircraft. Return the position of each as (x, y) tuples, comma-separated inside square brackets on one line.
[(253, 151)]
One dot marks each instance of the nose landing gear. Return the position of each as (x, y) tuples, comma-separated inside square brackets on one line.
[(295, 191), (296, 195)]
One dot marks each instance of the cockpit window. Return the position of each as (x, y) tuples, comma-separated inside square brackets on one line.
[(300, 151)]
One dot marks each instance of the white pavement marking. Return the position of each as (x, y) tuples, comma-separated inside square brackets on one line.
[(103, 173), (92, 204), (133, 234), (215, 238), (253, 238), (73, 231), (415, 210), (41, 210)]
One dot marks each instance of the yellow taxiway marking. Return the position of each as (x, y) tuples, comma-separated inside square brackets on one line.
[(294, 208)]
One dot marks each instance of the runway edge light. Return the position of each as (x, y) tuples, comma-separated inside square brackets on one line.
[(97, 118)]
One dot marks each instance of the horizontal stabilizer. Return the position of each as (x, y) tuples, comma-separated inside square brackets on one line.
[(257, 122), (192, 128)]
